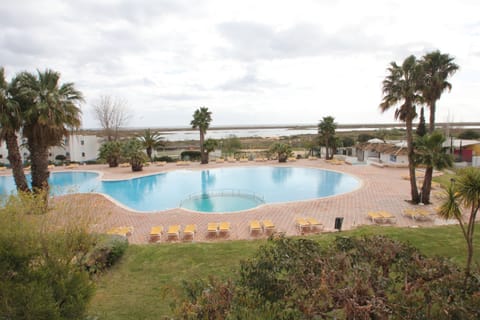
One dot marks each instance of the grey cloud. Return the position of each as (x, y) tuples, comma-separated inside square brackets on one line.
[(251, 41), (248, 82)]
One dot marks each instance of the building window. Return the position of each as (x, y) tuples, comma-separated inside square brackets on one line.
[(82, 142), (67, 154), (83, 154), (49, 154), (1, 156)]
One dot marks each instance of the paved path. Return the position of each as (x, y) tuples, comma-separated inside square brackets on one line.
[(382, 189)]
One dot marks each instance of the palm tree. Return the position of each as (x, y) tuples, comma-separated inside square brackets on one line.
[(151, 141), (429, 151), (437, 68), (326, 130), (210, 145), (111, 152), (50, 111), (10, 124), (201, 120), (464, 193), (401, 87), (132, 150), (282, 150)]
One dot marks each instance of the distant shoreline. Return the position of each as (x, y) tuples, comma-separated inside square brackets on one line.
[(298, 126)]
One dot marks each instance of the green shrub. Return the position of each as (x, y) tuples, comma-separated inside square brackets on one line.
[(105, 253), (190, 155), (164, 158)]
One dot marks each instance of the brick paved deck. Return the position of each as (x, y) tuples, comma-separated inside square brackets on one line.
[(382, 189)]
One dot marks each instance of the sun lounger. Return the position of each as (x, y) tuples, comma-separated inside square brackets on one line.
[(268, 226), (121, 165), (161, 163), (314, 224), (212, 228), (156, 233), (232, 160), (291, 159), (183, 163), (121, 231), (302, 225), (224, 227), (387, 216), (255, 226), (312, 158), (219, 160), (243, 159), (375, 216), (173, 231), (189, 231), (417, 214)]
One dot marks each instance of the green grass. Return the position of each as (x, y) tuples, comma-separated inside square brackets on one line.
[(147, 279)]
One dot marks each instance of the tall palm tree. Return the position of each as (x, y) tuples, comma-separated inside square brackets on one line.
[(326, 130), (151, 141), (464, 194), (437, 68), (201, 120), (10, 124), (50, 112), (401, 88), (429, 151)]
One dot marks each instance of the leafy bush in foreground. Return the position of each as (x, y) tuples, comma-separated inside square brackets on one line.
[(105, 253), (355, 278), (40, 273)]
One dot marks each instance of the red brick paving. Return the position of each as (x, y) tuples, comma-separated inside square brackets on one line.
[(382, 189)]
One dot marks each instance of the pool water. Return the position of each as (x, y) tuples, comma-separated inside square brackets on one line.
[(170, 189)]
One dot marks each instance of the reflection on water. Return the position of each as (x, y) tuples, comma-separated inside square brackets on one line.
[(280, 175)]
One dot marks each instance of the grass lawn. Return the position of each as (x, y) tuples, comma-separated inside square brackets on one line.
[(147, 279)]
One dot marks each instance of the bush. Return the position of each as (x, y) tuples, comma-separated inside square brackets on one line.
[(164, 158), (40, 273), (190, 155), (105, 253), (355, 278)]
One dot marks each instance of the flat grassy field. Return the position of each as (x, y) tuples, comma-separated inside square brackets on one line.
[(148, 278)]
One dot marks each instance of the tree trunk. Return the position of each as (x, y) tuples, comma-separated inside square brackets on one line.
[(431, 125), (15, 159), (427, 185), (411, 165), (40, 173), (149, 153)]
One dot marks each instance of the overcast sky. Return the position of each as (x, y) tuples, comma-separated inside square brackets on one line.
[(249, 62)]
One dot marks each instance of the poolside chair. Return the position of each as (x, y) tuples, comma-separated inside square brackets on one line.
[(231, 160), (314, 224), (387, 216), (189, 231), (121, 231), (173, 231), (212, 228), (268, 226), (255, 226), (219, 160), (375, 216), (243, 159), (224, 228), (417, 214), (156, 233), (302, 225)]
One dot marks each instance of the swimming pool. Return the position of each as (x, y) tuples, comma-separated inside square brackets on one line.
[(170, 189)]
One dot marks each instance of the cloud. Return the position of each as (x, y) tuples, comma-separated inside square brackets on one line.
[(249, 81), (252, 41)]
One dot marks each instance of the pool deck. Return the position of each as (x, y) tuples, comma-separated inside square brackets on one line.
[(382, 189)]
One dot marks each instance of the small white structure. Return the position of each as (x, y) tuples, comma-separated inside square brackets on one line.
[(77, 148)]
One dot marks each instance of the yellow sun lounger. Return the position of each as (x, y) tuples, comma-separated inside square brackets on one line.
[(268, 225), (255, 226), (375, 216), (173, 231), (189, 231), (224, 227), (387, 216), (121, 231), (156, 233), (212, 228), (314, 223), (302, 224), (417, 214)]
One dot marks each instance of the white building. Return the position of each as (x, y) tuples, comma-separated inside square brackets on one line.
[(76, 148)]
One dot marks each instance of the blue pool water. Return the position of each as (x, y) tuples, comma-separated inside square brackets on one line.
[(169, 190)]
